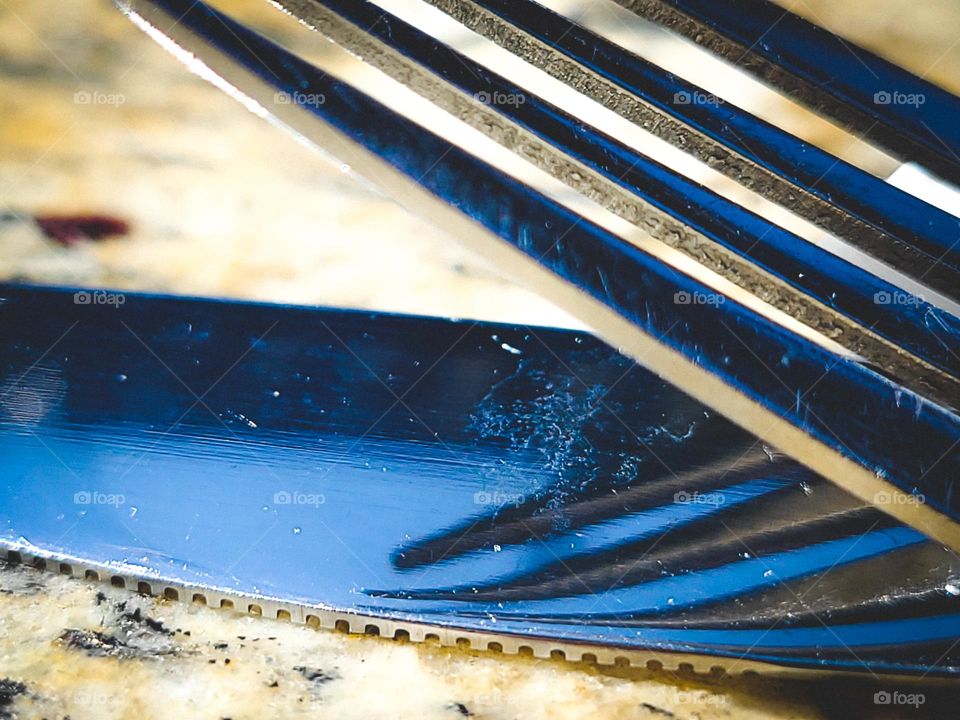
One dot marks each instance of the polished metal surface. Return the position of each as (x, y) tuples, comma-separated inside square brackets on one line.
[(885, 222), (512, 487), (848, 367), (835, 77), (764, 259)]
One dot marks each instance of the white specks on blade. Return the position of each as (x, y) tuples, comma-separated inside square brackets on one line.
[(232, 416)]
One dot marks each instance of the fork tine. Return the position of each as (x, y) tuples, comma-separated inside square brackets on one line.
[(871, 423), (829, 74), (863, 210)]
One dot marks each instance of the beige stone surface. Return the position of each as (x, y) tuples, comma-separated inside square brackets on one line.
[(923, 36), (220, 203), (202, 663)]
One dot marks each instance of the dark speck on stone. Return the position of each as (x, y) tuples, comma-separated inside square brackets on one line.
[(9, 690), (137, 617), (70, 229), (460, 708), (95, 643), (315, 675), (657, 710), (101, 598), (219, 646)]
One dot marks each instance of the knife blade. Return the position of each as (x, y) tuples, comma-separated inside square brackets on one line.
[(516, 488)]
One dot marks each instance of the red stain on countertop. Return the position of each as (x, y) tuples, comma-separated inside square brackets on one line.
[(70, 229)]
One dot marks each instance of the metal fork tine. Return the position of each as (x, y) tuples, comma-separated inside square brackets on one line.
[(863, 210), (678, 211), (835, 77), (852, 386)]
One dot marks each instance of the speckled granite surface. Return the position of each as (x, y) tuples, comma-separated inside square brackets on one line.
[(94, 117), (76, 649), (91, 651)]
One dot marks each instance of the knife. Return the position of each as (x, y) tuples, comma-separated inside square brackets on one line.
[(521, 489)]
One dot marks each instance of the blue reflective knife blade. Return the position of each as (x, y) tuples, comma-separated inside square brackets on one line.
[(512, 487), (869, 427)]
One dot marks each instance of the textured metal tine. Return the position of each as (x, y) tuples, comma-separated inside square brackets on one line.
[(796, 388), (833, 76), (869, 213), (711, 229)]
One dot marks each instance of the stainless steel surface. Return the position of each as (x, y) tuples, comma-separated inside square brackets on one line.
[(511, 486), (881, 458)]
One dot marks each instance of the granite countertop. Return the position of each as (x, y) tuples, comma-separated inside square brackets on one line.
[(70, 648), (95, 118)]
